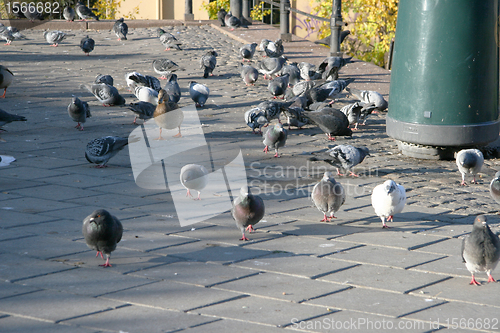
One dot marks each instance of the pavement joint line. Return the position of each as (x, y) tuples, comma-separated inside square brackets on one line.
[(235, 279), (428, 284), (288, 211), (27, 317), (166, 247), (359, 207), (128, 288), (198, 325), (240, 260), (20, 237), (425, 262), (145, 268), (423, 309), (326, 294), (93, 313), (311, 318), (340, 251), (38, 275), (174, 233), (411, 248), (5, 316), (272, 236), (20, 294), (218, 302), (66, 254), (319, 276)]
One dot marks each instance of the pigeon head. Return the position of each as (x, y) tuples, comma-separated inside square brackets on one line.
[(497, 175), (390, 186), (171, 77), (480, 222), (364, 151), (328, 176), (120, 20), (212, 53), (99, 216), (468, 160)]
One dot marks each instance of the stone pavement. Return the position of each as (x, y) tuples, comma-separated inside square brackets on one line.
[(296, 273)]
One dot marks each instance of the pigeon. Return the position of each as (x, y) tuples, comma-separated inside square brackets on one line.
[(352, 112), (32, 13), (87, 45), (273, 109), (6, 77), (247, 51), (327, 39), (301, 88), (164, 67), (270, 66), (106, 94), (100, 78), (199, 93), (172, 88), (232, 21), (84, 12), (369, 98), (69, 13), (388, 199), (306, 70), (6, 118), (169, 41), (329, 67), (469, 161), (274, 49), (208, 63), (256, 119), (295, 117), (248, 210), (159, 32), (102, 231), (293, 71), (99, 151), (6, 160), (146, 94), (54, 37), (143, 110), (278, 85), (329, 89), (194, 177), (221, 16), (481, 249), (120, 29), (10, 33), (275, 137), (263, 44), (495, 187), (79, 111), (249, 75), (346, 157), (135, 79), (328, 196), (167, 115), (331, 121)]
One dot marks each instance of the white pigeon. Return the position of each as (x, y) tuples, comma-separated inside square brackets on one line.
[(469, 161), (5, 160), (194, 177), (388, 199), (145, 94)]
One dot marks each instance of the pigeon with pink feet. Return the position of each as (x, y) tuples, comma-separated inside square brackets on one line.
[(194, 177), (79, 111), (328, 196), (248, 210), (469, 161), (275, 137), (388, 199), (100, 151), (346, 157)]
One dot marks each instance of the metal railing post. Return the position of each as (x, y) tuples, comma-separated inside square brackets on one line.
[(285, 34), (246, 12), (235, 7), (335, 26), (188, 12)]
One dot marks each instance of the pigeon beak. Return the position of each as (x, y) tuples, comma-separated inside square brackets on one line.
[(92, 220)]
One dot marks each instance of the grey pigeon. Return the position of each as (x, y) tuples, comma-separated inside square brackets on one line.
[(270, 66), (194, 177), (263, 44), (167, 115), (102, 231), (295, 117), (32, 13), (135, 79), (274, 49), (273, 109), (104, 78), (306, 71), (469, 161), (353, 113), (84, 12), (275, 137), (169, 41), (6, 35), (99, 151), (143, 110), (329, 67), (388, 199), (369, 98), (248, 210), (69, 13), (332, 122), (327, 39), (278, 85), (221, 14), (87, 45), (199, 93), (255, 119), (54, 37), (495, 187), (329, 89), (6, 118), (481, 249), (164, 67), (208, 62), (328, 196), (79, 111), (159, 32), (172, 88), (120, 29), (249, 75), (106, 94), (293, 71), (247, 51), (301, 88), (232, 21), (6, 160), (346, 157), (6, 77)]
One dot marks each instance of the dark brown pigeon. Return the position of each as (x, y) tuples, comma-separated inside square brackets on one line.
[(247, 211)]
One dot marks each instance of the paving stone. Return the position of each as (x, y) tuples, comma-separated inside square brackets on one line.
[(12, 324), (55, 192), (448, 247), (25, 173), (320, 230), (34, 205), (15, 267), (9, 289), (452, 266), (228, 325), (42, 247)]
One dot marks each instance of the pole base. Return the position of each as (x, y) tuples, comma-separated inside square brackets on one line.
[(286, 37), (427, 152), (188, 17)]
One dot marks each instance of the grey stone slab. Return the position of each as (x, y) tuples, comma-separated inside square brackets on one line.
[(449, 247), (56, 192), (15, 267), (196, 273), (140, 319), (452, 266), (12, 183), (13, 234), (181, 296), (385, 256), (62, 305), (295, 265), (83, 181), (281, 287), (42, 247), (13, 324), (228, 325), (449, 230), (78, 213), (151, 241), (166, 224), (8, 195), (318, 229), (68, 229), (35, 205), (28, 173), (9, 218), (263, 310), (8, 289), (115, 201), (374, 302)]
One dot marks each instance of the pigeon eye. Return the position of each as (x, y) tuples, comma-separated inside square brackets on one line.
[(98, 215)]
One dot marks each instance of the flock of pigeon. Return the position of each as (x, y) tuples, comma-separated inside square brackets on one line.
[(308, 97)]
